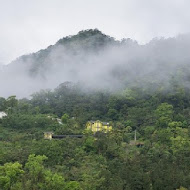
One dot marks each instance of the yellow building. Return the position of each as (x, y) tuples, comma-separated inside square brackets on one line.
[(48, 135), (96, 126)]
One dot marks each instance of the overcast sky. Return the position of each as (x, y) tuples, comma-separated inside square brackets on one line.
[(29, 25)]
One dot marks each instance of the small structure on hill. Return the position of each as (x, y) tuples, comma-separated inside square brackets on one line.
[(50, 136), (2, 114), (59, 121), (96, 126), (135, 142)]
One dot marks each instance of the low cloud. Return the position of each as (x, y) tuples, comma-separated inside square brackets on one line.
[(97, 64)]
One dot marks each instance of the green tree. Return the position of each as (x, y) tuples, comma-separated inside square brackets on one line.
[(164, 114), (35, 168), (2, 104), (65, 118), (10, 175), (11, 103)]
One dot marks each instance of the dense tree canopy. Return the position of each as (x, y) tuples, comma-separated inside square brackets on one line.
[(158, 160)]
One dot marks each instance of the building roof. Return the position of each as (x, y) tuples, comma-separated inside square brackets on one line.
[(103, 122), (65, 136)]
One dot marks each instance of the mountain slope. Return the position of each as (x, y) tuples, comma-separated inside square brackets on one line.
[(99, 61)]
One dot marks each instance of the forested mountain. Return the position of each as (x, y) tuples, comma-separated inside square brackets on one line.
[(141, 90), (109, 161), (99, 61)]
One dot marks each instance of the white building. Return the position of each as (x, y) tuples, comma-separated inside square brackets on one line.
[(2, 114)]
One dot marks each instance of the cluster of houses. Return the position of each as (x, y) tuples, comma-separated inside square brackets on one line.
[(94, 126)]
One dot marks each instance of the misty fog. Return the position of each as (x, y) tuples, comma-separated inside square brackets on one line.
[(111, 65)]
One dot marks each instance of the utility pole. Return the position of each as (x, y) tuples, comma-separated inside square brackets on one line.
[(135, 137)]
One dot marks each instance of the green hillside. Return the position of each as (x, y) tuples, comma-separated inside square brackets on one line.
[(141, 90)]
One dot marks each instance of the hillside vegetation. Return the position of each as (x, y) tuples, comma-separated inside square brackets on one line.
[(147, 91)]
